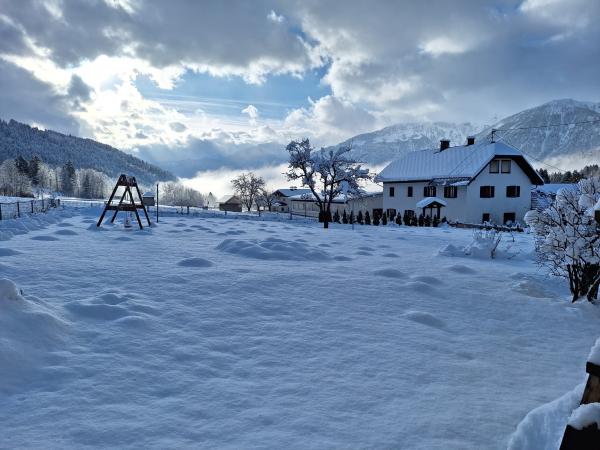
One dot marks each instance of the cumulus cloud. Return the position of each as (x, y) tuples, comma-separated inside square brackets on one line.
[(380, 62), (329, 119), (252, 112)]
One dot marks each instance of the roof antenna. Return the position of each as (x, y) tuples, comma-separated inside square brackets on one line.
[(494, 135)]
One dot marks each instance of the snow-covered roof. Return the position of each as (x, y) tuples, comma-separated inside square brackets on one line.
[(428, 201), (454, 163), (290, 192), (553, 188), (229, 199)]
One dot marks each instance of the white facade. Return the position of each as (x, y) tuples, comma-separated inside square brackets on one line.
[(470, 174)]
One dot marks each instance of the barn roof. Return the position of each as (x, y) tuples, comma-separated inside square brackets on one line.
[(463, 162), (290, 192)]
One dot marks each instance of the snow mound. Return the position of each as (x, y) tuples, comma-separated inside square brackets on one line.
[(195, 262), (585, 415), (425, 318), (390, 255), (451, 250), (67, 224), (364, 253), (8, 252), (274, 249), (421, 287), (543, 427), (29, 331), (112, 306), (390, 273)]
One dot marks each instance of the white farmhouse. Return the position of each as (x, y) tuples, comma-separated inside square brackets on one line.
[(472, 183)]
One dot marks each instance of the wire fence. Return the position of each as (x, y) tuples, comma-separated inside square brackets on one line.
[(20, 208)]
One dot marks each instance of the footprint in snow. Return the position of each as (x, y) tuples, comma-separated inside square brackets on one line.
[(460, 268), (427, 279), (390, 273), (425, 318), (66, 232), (342, 258), (195, 262), (44, 238)]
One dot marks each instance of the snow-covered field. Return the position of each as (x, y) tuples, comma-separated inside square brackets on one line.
[(223, 333)]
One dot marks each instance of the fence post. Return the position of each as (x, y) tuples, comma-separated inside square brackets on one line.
[(32, 206), (18, 211), (0, 211)]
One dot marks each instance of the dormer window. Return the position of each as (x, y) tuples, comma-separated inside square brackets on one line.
[(500, 166), (495, 166)]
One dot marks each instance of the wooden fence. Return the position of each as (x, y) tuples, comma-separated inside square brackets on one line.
[(14, 210)]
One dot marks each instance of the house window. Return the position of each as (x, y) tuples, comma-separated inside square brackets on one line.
[(410, 213), (510, 217), (450, 191), (486, 191), (495, 166), (429, 191), (392, 191), (513, 191), (409, 191), (485, 217), (505, 166)]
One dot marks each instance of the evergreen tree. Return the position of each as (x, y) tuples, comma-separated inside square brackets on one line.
[(413, 221), (22, 165), (384, 219), (34, 170), (375, 219), (68, 180), (421, 220), (336, 217), (351, 218), (436, 221), (344, 217), (427, 221), (367, 218), (398, 219), (406, 218), (359, 218)]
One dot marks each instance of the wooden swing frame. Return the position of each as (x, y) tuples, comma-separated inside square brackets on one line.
[(127, 202)]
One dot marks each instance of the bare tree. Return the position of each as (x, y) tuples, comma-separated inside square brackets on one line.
[(568, 237), (248, 187), (266, 198), (326, 173)]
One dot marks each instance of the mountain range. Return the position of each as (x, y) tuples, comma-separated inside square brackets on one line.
[(55, 149), (533, 130)]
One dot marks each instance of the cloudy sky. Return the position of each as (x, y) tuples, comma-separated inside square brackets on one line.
[(221, 85)]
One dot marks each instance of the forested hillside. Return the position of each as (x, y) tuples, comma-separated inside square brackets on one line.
[(56, 149)]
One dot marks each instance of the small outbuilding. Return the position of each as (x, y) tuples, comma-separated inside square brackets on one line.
[(149, 199), (230, 203)]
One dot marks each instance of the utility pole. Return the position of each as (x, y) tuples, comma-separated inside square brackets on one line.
[(156, 202)]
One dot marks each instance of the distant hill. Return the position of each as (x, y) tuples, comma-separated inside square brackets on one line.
[(570, 142), (554, 142), (55, 149)]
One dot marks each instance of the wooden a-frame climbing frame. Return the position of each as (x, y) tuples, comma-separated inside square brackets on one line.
[(126, 203)]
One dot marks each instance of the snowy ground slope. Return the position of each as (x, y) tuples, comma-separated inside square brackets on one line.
[(220, 333)]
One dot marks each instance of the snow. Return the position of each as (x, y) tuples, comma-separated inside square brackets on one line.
[(585, 415), (464, 161), (214, 332), (594, 356), (427, 201)]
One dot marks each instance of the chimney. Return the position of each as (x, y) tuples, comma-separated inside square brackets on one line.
[(444, 144), (470, 140)]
